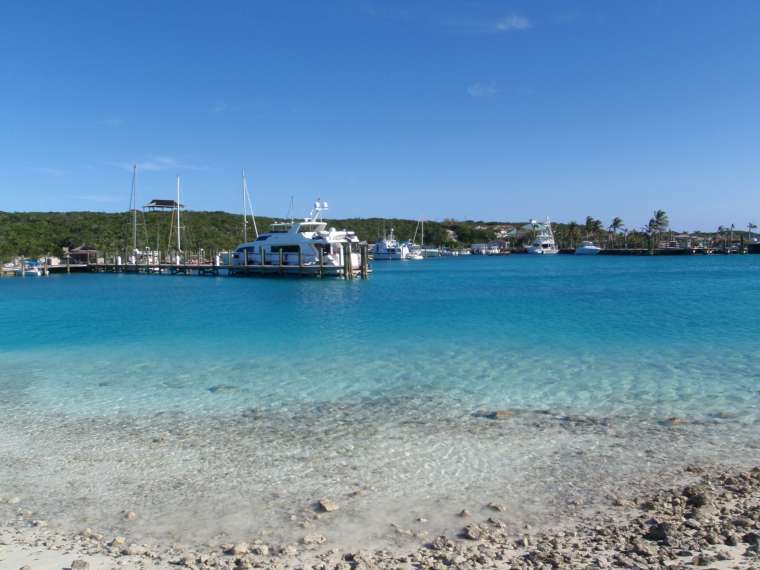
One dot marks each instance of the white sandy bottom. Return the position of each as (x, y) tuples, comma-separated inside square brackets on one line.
[(398, 476)]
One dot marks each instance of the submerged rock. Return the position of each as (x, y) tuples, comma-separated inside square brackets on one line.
[(222, 388), (495, 414), (328, 506), (676, 421), (80, 564)]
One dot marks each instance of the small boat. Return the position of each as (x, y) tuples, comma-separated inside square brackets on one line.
[(543, 243), (587, 248), (389, 248), (25, 269)]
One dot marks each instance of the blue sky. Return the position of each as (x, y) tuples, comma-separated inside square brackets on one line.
[(482, 110)]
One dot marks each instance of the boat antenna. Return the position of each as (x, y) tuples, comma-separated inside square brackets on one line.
[(289, 216)]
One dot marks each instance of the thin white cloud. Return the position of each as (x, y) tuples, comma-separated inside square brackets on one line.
[(513, 23), (219, 107), (111, 122), (480, 89), (47, 170), (157, 164)]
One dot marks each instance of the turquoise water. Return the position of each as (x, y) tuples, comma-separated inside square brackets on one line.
[(600, 335), (278, 383)]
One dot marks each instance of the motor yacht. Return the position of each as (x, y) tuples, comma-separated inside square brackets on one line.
[(543, 243), (306, 242), (587, 248)]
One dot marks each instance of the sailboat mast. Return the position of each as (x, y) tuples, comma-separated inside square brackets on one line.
[(179, 230), (134, 208), (245, 211)]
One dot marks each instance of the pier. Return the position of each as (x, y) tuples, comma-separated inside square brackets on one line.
[(277, 267)]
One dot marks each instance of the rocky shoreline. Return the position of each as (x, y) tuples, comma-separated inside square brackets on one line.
[(712, 522)]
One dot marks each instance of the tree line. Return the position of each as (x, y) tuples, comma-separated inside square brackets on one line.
[(48, 233)]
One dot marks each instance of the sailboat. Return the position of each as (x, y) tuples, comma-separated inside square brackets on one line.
[(416, 251)]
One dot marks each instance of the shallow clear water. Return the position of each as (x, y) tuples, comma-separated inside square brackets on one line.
[(241, 401)]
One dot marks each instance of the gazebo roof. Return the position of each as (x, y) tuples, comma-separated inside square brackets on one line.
[(166, 204)]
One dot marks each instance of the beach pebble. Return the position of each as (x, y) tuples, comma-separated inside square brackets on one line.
[(130, 515), (313, 539), (80, 564), (464, 513), (497, 507), (118, 541), (39, 523), (239, 549), (328, 506), (134, 550), (13, 501), (472, 532)]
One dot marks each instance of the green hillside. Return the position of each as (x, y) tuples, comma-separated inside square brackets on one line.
[(39, 233)]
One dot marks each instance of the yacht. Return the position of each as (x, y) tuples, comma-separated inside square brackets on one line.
[(543, 243), (587, 248), (307, 242), (389, 248)]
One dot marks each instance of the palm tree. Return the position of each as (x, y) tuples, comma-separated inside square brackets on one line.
[(721, 235), (659, 223), (572, 232), (592, 227), (615, 226)]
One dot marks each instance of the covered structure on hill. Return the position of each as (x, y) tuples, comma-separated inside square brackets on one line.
[(157, 205)]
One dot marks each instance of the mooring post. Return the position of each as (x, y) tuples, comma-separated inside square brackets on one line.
[(365, 260), (321, 261), (347, 262)]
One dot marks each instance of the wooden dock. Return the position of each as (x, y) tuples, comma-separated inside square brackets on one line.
[(276, 266)]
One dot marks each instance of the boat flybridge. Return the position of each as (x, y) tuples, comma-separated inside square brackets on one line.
[(307, 243), (543, 243)]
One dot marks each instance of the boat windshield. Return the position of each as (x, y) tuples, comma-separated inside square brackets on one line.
[(280, 227), (311, 227)]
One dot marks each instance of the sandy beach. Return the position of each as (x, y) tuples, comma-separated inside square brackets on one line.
[(712, 520)]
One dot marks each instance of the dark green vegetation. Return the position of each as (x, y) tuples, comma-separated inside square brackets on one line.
[(40, 233)]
